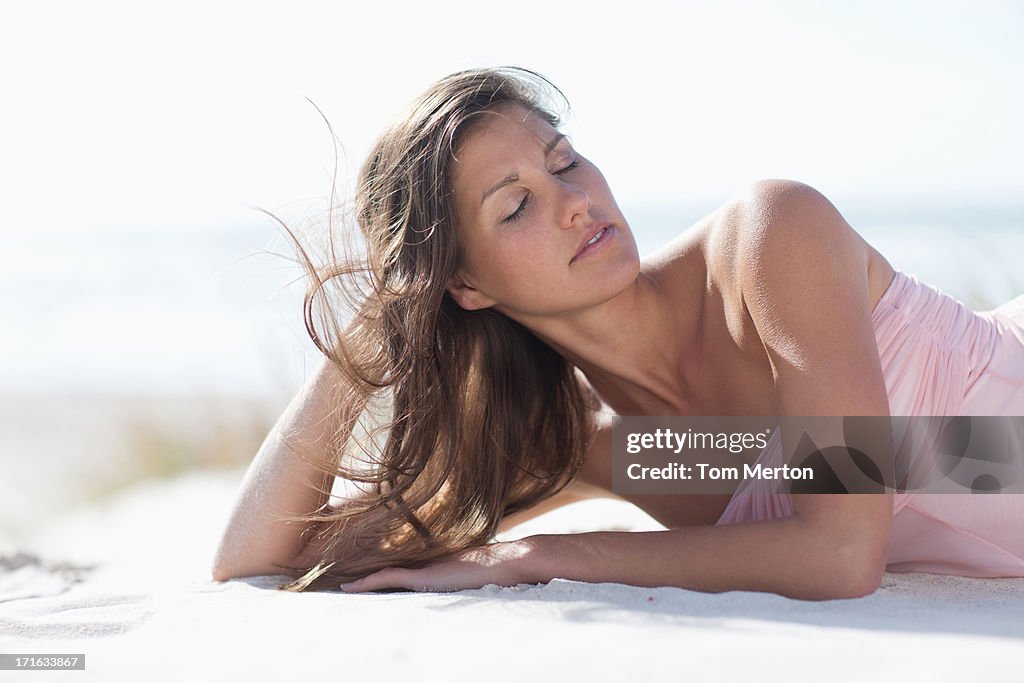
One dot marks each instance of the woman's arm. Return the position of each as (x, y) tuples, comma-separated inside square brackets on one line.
[(803, 274), (280, 483), (796, 557), (791, 557)]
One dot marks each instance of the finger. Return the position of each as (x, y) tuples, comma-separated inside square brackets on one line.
[(390, 577)]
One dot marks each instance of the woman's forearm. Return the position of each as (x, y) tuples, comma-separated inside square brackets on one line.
[(280, 483), (784, 556)]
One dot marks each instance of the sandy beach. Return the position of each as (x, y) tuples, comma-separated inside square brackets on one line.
[(126, 583)]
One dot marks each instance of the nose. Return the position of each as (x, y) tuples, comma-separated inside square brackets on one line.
[(576, 205)]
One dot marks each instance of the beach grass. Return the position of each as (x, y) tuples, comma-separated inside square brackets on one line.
[(62, 452), (223, 435)]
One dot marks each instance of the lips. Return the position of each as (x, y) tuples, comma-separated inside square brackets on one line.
[(590, 235)]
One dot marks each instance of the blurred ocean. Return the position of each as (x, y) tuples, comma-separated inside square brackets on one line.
[(178, 313), (134, 355)]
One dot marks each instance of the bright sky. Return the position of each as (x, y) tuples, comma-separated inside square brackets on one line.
[(120, 114)]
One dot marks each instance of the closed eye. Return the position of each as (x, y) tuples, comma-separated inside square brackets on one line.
[(517, 214)]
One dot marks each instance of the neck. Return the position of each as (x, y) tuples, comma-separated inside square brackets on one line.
[(636, 349)]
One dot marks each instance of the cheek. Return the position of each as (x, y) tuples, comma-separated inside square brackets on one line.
[(530, 262), (520, 271)]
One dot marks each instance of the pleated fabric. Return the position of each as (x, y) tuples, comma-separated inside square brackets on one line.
[(939, 358)]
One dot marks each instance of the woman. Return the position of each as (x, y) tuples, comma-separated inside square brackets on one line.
[(507, 316)]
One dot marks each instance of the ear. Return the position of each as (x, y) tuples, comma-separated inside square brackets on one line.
[(467, 296)]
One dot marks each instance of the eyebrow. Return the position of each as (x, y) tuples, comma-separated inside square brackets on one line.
[(513, 177)]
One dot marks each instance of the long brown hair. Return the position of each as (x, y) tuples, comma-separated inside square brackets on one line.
[(485, 419)]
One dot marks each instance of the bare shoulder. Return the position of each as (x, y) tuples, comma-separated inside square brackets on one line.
[(775, 193), (784, 214), (787, 220), (714, 253), (776, 209)]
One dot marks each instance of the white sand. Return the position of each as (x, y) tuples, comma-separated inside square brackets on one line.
[(148, 608)]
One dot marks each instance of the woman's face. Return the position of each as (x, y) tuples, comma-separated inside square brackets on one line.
[(527, 203)]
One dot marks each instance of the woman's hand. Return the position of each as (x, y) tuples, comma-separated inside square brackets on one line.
[(503, 564)]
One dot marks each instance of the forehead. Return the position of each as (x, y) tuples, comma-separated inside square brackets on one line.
[(508, 118), (498, 133)]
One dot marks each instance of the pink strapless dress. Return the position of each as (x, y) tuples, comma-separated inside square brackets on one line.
[(940, 358)]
